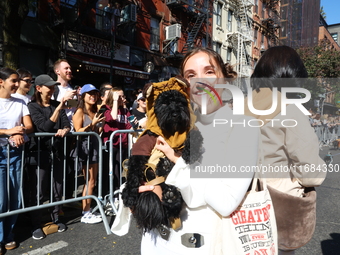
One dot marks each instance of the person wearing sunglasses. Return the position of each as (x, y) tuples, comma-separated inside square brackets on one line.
[(140, 111), (25, 84)]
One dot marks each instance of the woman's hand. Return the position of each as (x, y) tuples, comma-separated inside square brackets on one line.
[(164, 147), (115, 96), (62, 132), (154, 188), (97, 119), (16, 130), (18, 140)]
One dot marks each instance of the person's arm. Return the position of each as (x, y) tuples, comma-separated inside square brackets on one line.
[(303, 150), (224, 194), (78, 119), (78, 122), (42, 122), (65, 123), (114, 110)]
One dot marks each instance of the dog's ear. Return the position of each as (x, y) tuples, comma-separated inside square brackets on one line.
[(182, 81), (147, 90)]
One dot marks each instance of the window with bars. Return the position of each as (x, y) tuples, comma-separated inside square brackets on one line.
[(255, 37), (230, 20), (219, 14), (154, 34), (229, 52), (218, 47)]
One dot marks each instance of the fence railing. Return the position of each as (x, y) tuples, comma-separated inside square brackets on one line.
[(327, 135), (69, 143)]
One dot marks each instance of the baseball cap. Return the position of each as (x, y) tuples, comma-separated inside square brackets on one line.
[(45, 80), (140, 96), (88, 88)]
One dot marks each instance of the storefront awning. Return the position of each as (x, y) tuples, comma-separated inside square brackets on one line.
[(117, 70)]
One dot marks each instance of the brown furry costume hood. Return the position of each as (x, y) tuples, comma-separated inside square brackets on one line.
[(151, 92)]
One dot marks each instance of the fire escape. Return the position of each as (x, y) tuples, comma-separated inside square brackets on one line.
[(197, 13), (271, 24), (242, 38)]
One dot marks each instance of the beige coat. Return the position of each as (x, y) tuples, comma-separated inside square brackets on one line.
[(289, 148)]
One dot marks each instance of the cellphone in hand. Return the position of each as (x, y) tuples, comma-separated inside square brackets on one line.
[(71, 103), (101, 110)]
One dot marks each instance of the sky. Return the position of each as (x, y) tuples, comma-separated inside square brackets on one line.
[(332, 10)]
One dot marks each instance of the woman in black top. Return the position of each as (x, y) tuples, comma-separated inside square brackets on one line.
[(47, 116)]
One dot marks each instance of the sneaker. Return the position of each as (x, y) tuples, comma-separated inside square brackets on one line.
[(38, 234), (61, 227), (89, 218)]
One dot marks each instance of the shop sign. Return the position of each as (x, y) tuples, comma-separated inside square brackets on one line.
[(117, 71), (98, 47)]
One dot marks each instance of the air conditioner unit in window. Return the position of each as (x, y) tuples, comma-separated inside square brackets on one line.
[(173, 31), (154, 47), (129, 14)]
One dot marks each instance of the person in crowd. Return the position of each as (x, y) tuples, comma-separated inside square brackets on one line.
[(48, 116), (208, 201), (25, 85), (78, 89), (104, 90), (134, 97), (140, 111), (116, 118), (65, 89), (86, 119), (15, 123), (300, 142), (64, 73)]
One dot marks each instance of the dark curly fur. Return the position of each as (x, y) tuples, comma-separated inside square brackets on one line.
[(171, 109)]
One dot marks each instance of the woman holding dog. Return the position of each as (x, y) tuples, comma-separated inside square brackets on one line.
[(207, 200)]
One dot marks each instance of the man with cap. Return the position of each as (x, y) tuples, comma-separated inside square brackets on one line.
[(47, 116)]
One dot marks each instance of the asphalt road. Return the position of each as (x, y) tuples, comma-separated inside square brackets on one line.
[(83, 239)]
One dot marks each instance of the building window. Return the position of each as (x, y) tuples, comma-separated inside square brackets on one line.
[(219, 14), (230, 19), (335, 37), (262, 42), (154, 34), (255, 37), (263, 10), (32, 9), (203, 42), (229, 51), (256, 6), (218, 47)]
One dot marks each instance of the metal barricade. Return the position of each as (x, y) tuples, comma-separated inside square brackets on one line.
[(66, 158), (114, 191)]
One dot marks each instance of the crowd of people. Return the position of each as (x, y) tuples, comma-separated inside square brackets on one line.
[(327, 128), (55, 107), (58, 107)]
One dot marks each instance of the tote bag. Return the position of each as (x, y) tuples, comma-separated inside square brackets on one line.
[(251, 228)]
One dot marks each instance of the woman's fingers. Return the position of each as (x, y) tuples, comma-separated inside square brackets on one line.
[(144, 188)]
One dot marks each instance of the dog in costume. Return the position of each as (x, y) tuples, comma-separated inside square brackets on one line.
[(169, 114)]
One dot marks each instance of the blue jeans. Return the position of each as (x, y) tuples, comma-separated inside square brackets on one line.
[(11, 201)]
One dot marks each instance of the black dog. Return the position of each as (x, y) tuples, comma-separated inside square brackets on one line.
[(173, 115)]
